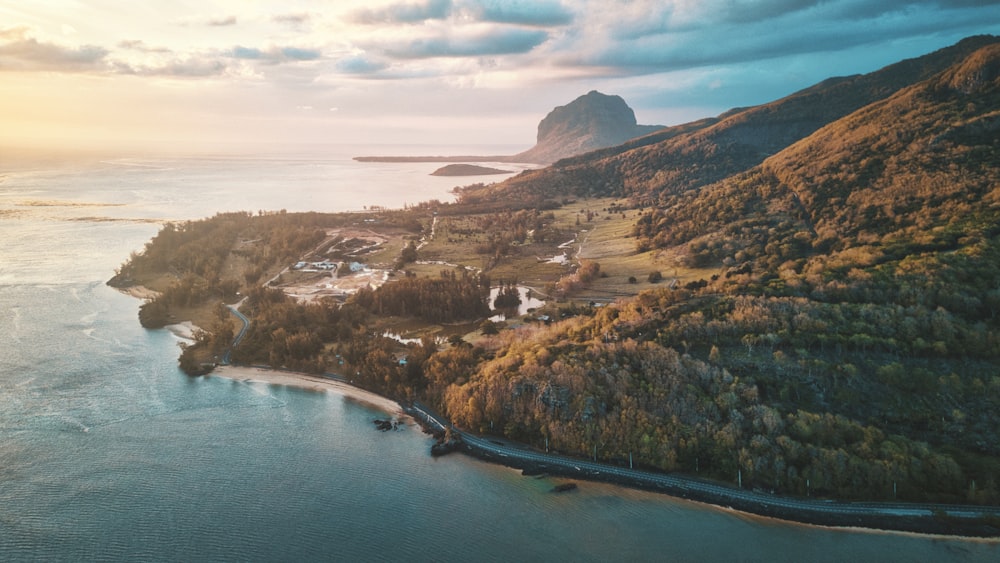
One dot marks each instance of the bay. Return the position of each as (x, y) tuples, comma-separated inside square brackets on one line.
[(108, 452)]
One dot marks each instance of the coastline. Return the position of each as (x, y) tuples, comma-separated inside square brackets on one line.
[(309, 383), (957, 521), (939, 520), (138, 292), (964, 521), (898, 518)]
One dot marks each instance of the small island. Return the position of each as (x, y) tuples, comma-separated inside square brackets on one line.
[(467, 170)]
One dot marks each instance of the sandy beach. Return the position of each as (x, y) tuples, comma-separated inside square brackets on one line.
[(139, 292), (310, 382)]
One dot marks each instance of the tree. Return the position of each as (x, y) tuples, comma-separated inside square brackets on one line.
[(488, 327)]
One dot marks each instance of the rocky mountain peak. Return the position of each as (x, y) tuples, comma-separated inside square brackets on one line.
[(590, 122)]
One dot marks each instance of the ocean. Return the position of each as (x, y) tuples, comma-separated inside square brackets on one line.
[(109, 453)]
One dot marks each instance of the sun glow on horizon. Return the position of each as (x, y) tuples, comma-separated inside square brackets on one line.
[(188, 74)]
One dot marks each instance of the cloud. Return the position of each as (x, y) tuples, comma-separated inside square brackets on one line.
[(413, 12), (860, 11), (275, 55), (462, 43), (498, 45), (190, 67), (748, 12), (531, 13), (140, 46), (300, 54), (236, 62), (221, 21), (293, 20), (537, 13), (360, 64), (204, 20), (19, 50), (650, 36), (248, 53)]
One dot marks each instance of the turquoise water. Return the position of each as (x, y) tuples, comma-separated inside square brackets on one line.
[(108, 452)]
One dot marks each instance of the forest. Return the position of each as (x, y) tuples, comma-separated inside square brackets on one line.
[(842, 340)]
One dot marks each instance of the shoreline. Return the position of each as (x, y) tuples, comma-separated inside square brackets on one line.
[(310, 383), (723, 498), (140, 292), (874, 517), (924, 519)]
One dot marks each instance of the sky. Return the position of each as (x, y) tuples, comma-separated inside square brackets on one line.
[(202, 74)]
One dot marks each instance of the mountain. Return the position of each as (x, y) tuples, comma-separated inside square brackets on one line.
[(845, 338), (675, 159), (592, 121), (908, 172), (827, 326)]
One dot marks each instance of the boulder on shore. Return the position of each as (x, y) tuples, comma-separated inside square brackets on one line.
[(445, 446), (385, 425)]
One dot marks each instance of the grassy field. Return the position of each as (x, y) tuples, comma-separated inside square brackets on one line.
[(558, 240), (598, 230)]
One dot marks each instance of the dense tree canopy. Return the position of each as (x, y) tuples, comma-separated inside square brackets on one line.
[(845, 340)]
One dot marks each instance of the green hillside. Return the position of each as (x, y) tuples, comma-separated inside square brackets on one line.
[(695, 154), (849, 340), (802, 296)]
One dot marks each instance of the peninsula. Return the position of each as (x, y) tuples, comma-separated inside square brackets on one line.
[(798, 299)]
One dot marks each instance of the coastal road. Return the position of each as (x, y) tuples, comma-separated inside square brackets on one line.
[(714, 493), (234, 309)]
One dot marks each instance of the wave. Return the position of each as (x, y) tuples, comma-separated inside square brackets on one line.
[(65, 203), (136, 164)]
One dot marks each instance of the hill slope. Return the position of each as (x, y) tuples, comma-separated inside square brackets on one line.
[(845, 341), (683, 157), (850, 343)]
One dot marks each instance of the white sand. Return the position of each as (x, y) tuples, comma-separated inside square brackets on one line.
[(310, 382), (139, 292), (184, 330)]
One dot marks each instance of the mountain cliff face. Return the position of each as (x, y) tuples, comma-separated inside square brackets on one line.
[(592, 121)]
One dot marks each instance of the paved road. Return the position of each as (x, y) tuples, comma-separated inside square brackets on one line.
[(714, 493), (234, 309)]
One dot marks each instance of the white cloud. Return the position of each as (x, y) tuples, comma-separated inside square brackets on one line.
[(20, 50), (473, 58), (470, 41)]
